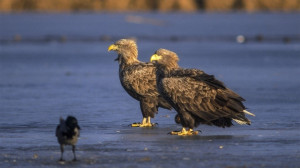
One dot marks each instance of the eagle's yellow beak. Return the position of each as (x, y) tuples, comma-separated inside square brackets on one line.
[(155, 57), (112, 47)]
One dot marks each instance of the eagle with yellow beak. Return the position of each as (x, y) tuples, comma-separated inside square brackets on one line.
[(139, 80), (197, 97)]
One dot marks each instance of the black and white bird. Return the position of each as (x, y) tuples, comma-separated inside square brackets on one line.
[(67, 133)]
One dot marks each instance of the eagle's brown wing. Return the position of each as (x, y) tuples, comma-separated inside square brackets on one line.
[(195, 92)]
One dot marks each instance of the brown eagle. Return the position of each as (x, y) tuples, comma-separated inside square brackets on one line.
[(197, 97), (139, 80)]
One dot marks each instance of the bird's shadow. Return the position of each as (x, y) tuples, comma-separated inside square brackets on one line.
[(63, 162), (207, 137)]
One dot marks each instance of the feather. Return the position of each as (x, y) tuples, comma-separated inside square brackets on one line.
[(241, 122), (247, 112)]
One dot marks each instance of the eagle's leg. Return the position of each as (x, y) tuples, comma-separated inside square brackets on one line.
[(149, 108), (148, 123), (184, 132), (144, 121)]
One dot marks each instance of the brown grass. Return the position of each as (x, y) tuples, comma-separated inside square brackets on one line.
[(146, 5), (217, 5), (272, 5)]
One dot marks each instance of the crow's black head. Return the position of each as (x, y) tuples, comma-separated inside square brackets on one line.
[(72, 122)]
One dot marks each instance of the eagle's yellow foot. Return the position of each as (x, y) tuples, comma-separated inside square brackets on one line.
[(148, 125), (145, 123), (192, 132), (184, 132), (174, 132), (135, 124)]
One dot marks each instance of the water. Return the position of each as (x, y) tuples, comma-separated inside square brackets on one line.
[(54, 65)]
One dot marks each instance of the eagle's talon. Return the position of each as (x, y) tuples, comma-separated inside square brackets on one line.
[(184, 132), (143, 124), (194, 133), (174, 132), (137, 124), (148, 125)]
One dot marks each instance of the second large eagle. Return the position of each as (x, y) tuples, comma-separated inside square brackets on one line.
[(198, 98), (139, 80)]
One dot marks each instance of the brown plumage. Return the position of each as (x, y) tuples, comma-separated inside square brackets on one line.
[(197, 97), (138, 79)]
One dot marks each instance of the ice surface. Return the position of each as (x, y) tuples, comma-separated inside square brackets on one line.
[(39, 82)]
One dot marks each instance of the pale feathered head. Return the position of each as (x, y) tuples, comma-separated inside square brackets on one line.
[(126, 49), (165, 57)]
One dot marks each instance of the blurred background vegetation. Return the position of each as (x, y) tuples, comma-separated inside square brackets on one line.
[(148, 5)]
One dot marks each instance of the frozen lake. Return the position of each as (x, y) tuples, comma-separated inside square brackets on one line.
[(54, 65)]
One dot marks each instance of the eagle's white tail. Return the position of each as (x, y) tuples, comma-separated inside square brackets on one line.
[(241, 122), (247, 112)]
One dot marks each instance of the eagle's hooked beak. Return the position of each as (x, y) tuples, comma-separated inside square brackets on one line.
[(113, 47), (155, 57)]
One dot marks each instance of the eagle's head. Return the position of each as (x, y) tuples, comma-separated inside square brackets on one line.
[(126, 49), (165, 57)]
